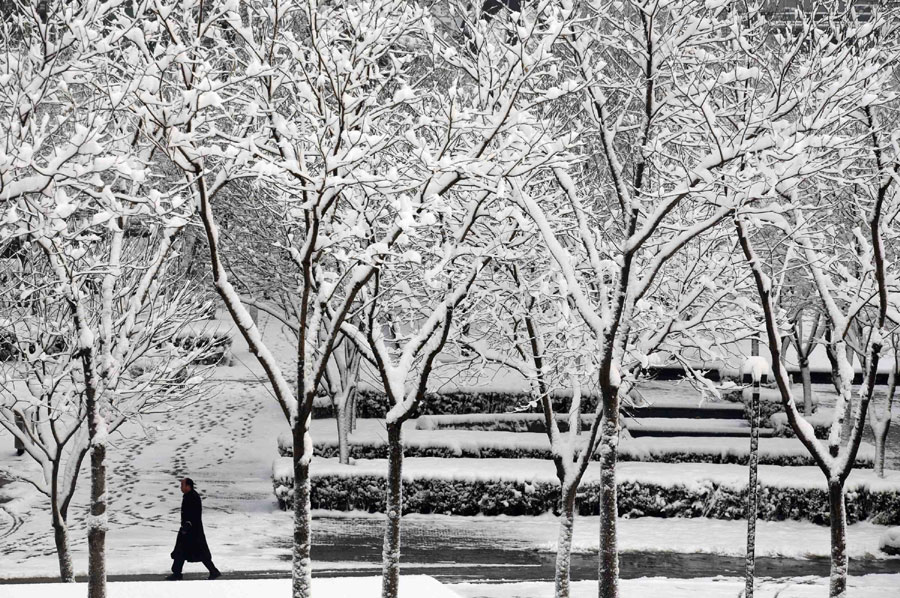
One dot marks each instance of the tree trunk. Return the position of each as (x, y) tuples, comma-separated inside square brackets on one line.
[(752, 492), (879, 454), (847, 429), (564, 545), (608, 570), (882, 424), (839, 560), (301, 573), (806, 377), (97, 521), (832, 360), (575, 420), (351, 406), (61, 537), (391, 551), (97, 526), (188, 250), (575, 408), (343, 430), (880, 431)]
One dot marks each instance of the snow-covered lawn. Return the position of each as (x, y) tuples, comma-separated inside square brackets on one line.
[(415, 586), (870, 586), (228, 448)]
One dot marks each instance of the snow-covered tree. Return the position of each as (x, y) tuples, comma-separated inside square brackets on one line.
[(525, 325), (477, 131), (420, 324), (310, 111), (43, 399), (828, 192), (265, 276), (74, 181), (636, 234)]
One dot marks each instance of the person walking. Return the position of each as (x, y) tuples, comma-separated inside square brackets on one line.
[(191, 543), (17, 442)]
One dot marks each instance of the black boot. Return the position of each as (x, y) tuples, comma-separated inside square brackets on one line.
[(174, 577), (214, 574)]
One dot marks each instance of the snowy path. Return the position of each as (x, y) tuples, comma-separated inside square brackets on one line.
[(227, 450)]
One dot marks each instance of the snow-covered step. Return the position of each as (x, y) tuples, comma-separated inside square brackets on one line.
[(696, 423), (726, 449), (672, 426), (495, 422), (369, 441)]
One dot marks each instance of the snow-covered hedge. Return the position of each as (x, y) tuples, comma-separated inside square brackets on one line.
[(637, 498), (890, 541), (375, 404), (769, 402), (8, 349), (216, 343), (378, 450), (820, 421)]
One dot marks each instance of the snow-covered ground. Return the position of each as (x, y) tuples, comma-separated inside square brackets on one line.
[(259, 541), (871, 586), (415, 586), (228, 449)]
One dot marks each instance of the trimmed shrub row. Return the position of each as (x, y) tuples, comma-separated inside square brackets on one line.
[(218, 342), (769, 404), (374, 404), (9, 348), (635, 499), (782, 428), (380, 451)]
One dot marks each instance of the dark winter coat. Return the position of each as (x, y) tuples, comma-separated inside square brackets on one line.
[(191, 543)]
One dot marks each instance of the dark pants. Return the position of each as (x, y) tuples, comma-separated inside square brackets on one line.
[(178, 564), (18, 444)]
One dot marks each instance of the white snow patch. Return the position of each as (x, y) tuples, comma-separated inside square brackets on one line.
[(757, 367), (890, 541), (411, 586), (869, 586)]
